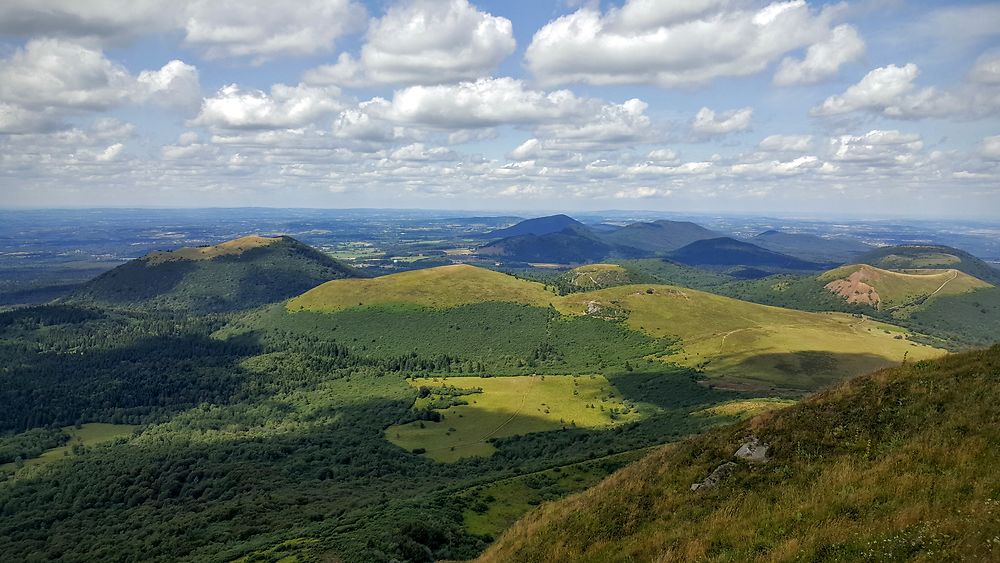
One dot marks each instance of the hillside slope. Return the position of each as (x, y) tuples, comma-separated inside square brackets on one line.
[(897, 465), (735, 343), (536, 226), (930, 257), (887, 290), (728, 252), (659, 237), (572, 245), (238, 274)]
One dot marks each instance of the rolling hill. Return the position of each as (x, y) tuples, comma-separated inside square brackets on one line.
[(659, 237), (930, 257), (238, 274), (735, 343), (726, 252), (890, 290), (897, 465), (811, 247), (536, 226)]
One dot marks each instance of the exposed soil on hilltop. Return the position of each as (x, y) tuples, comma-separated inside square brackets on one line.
[(855, 288)]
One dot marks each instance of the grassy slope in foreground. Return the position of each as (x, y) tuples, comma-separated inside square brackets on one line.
[(901, 464), (444, 286), (885, 289), (742, 342)]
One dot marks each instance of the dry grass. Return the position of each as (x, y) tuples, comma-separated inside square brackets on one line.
[(899, 465)]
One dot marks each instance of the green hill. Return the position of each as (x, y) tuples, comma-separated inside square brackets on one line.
[(930, 257), (889, 290), (659, 237), (726, 252), (238, 274), (898, 465), (736, 343)]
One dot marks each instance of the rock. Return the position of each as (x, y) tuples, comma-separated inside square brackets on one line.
[(594, 308), (753, 451), (718, 474)]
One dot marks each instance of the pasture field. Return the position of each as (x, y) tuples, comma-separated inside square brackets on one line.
[(507, 406), (87, 435), (742, 344), (444, 286), (596, 276)]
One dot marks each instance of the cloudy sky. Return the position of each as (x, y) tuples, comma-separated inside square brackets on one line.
[(868, 107)]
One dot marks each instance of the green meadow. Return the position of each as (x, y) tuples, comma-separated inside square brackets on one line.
[(506, 406)]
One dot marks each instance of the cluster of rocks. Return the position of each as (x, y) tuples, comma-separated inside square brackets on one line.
[(751, 450)]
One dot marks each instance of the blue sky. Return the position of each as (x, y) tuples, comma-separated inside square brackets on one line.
[(848, 108)]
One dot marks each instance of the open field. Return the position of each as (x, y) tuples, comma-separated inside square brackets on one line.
[(744, 343), (87, 435), (445, 286), (596, 276), (886, 290), (507, 406)]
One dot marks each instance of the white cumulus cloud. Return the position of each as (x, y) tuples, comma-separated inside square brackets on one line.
[(823, 59), (708, 122), (424, 42), (285, 107), (672, 43), (890, 91)]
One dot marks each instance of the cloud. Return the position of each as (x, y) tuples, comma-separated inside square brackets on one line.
[(642, 192), (890, 91), (424, 42), (989, 148), (110, 153), (672, 44), (986, 69), (285, 107), (50, 79), (482, 103), (263, 30), (174, 86), (219, 28), (786, 143), (799, 165), (708, 123), (876, 146), (823, 59)]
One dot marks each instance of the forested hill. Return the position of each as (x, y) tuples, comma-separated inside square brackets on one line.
[(238, 274), (897, 465)]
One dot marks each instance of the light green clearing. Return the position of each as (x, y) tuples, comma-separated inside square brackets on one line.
[(509, 406), (928, 260), (87, 435)]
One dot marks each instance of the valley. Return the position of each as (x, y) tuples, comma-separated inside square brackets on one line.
[(279, 402)]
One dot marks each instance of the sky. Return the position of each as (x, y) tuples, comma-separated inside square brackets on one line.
[(860, 108)]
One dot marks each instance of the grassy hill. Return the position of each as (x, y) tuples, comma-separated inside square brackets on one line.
[(444, 286), (930, 257), (659, 237), (811, 247), (726, 252), (889, 290), (898, 465), (596, 276), (237, 274), (736, 343), (745, 345)]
